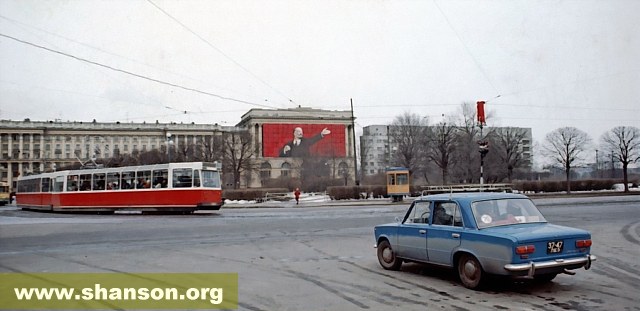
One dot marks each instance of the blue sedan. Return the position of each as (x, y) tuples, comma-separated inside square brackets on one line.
[(480, 234)]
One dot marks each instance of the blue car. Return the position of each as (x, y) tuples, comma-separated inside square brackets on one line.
[(480, 234)]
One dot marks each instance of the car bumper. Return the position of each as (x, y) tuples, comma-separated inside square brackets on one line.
[(532, 268)]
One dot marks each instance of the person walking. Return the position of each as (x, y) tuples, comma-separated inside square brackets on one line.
[(297, 195)]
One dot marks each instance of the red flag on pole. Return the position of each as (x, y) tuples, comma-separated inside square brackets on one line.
[(480, 107)]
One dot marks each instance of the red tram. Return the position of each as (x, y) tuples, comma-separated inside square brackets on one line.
[(172, 187)]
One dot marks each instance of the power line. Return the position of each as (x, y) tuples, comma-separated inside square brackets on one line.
[(24, 26), (466, 48), (137, 75), (497, 104), (219, 51)]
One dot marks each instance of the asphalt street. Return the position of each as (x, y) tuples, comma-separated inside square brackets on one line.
[(320, 256)]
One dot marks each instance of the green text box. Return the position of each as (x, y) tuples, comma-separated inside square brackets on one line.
[(119, 291)]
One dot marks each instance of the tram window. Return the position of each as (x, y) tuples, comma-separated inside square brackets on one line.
[(98, 181), (85, 182), (30, 185), (211, 179), (45, 183), (182, 177), (72, 183), (128, 180), (143, 179), (58, 184), (160, 178), (113, 181), (196, 178)]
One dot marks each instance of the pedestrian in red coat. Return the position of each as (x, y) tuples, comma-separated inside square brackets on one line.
[(297, 195)]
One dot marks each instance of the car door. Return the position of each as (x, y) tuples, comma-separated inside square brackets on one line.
[(444, 232), (412, 241)]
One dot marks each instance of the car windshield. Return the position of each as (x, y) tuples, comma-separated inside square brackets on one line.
[(500, 212)]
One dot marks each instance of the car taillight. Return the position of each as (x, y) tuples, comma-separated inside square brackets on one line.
[(583, 243), (525, 249)]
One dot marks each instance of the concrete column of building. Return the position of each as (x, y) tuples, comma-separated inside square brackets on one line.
[(42, 154), (31, 151), (21, 146), (259, 140), (349, 145), (92, 147), (10, 144)]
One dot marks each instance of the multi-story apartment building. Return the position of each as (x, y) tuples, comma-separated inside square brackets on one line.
[(377, 147)]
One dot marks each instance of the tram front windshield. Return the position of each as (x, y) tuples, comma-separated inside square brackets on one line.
[(210, 179)]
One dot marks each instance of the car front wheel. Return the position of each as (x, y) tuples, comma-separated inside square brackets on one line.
[(470, 272), (387, 257)]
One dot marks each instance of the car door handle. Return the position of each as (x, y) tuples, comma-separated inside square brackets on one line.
[(455, 235), (423, 231)]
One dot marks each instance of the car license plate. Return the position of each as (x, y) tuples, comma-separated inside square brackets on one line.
[(554, 247)]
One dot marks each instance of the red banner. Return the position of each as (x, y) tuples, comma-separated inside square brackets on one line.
[(480, 107), (303, 140)]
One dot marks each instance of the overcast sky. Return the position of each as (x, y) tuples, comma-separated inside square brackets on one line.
[(538, 64)]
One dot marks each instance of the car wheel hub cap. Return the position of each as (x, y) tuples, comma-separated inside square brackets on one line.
[(387, 255), (470, 269)]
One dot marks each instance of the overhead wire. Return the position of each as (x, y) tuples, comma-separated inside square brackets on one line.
[(137, 75), (219, 50), (466, 48)]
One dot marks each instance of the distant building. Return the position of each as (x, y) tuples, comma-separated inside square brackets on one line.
[(39, 146), (32, 147), (274, 130), (377, 148)]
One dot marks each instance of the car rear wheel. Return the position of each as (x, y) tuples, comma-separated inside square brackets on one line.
[(470, 272), (387, 257)]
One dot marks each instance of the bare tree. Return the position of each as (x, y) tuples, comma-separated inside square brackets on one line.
[(507, 145), (183, 152), (442, 146), (408, 132), (565, 146), (467, 155), (209, 149), (623, 142), (365, 148), (237, 152)]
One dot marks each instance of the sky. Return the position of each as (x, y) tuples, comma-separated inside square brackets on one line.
[(537, 64)]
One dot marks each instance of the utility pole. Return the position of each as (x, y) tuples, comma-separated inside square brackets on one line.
[(355, 158), (483, 144)]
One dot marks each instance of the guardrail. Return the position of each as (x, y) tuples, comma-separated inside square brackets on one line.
[(275, 196)]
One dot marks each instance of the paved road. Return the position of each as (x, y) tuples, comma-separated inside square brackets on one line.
[(321, 257)]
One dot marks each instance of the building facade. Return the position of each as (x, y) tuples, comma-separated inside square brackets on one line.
[(32, 147), (286, 141), (326, 138)]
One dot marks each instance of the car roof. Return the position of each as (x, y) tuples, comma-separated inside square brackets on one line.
[(472, 196)]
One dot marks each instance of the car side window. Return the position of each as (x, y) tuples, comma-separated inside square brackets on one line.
[(420, 213), (447, 214)]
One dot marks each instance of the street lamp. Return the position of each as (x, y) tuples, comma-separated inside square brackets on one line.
[(169, 143)]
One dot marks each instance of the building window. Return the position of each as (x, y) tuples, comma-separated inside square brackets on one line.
[(285, 169), (265, 171)]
